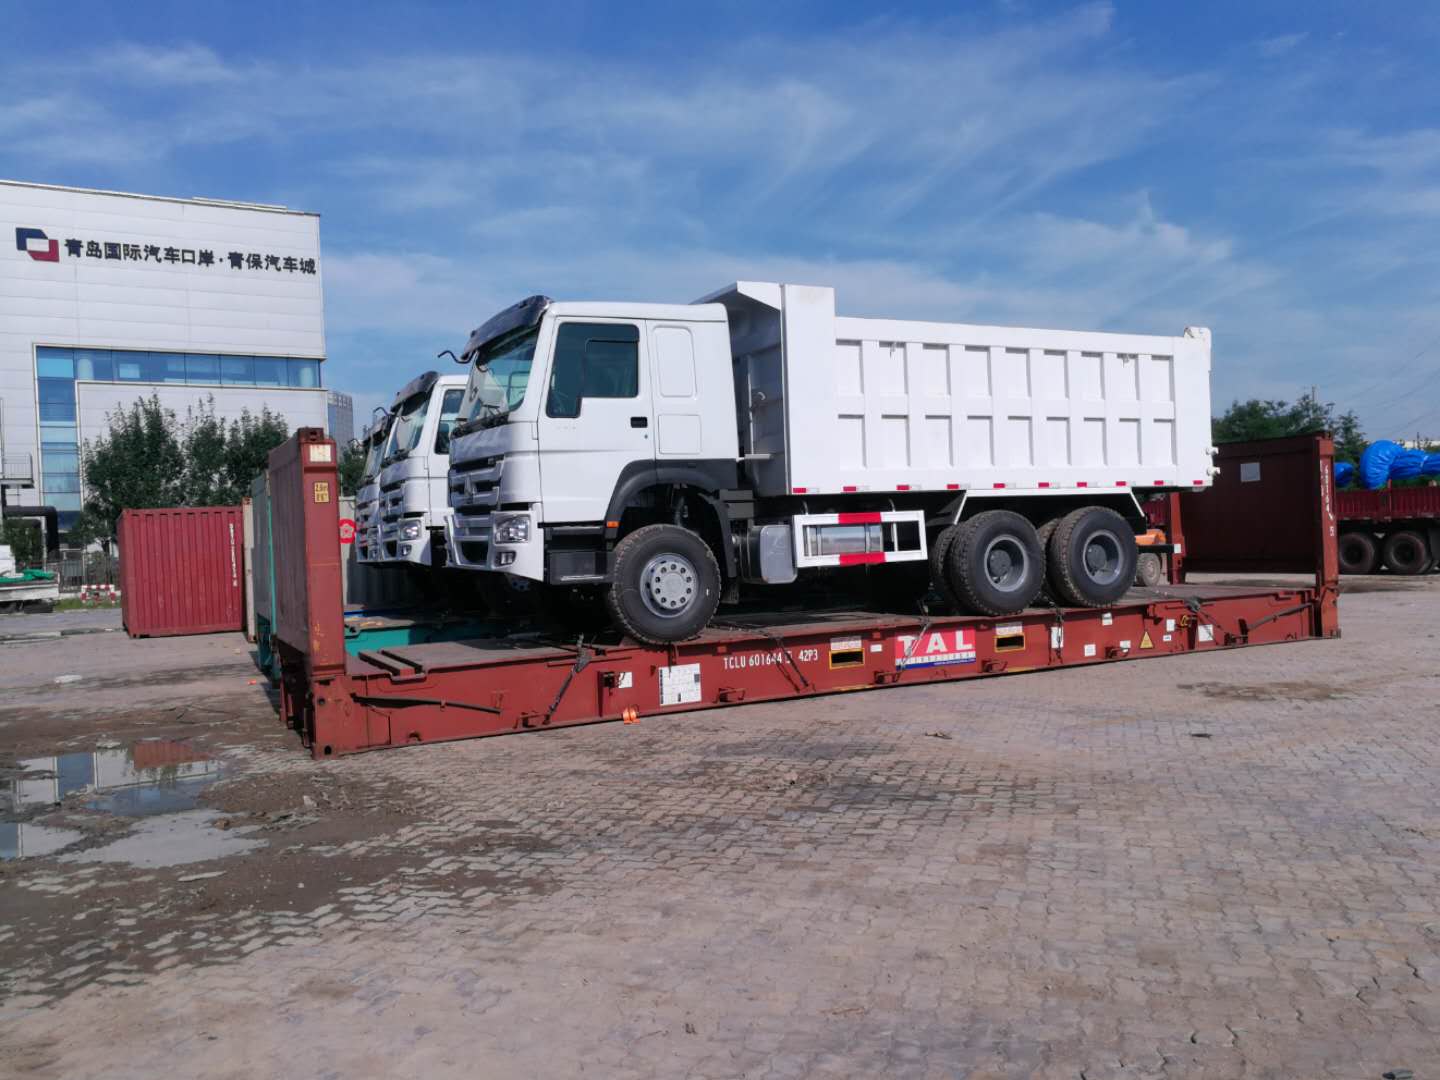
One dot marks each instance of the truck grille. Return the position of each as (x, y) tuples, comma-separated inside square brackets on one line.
[(477, 485)]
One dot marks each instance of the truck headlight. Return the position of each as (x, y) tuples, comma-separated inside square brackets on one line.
[(410, 531), (512, 530)]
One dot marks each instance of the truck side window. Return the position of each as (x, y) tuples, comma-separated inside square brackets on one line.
[(449, 409), (595, 360)]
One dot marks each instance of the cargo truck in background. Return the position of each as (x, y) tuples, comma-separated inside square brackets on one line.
[(413, 508), (660, 456), (1396, 527), (367, 494)]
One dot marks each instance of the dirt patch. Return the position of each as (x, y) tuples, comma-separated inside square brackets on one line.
[(218, 721), (1276, 691)]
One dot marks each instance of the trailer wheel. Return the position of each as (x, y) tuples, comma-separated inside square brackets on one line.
[(939, 553), (1149, 570), (1405, 552), (1358, 553), (1092, 557), (995, 563), (665, 586)]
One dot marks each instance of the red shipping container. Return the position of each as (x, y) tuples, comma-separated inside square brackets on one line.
[(182, 571)]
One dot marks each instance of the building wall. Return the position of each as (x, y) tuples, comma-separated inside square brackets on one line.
[(85, 269), (301, 408), (342, 418)]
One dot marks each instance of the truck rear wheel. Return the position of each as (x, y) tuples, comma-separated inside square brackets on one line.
[(1358, 553), (939, 573), (995, 564), (1405, 552), (665, 586), (1092, 557), (1046, 598)]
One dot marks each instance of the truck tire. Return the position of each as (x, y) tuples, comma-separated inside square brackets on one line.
[(665, 586), (1358, 552), (1092, 557), (938, 572), (995, 564), (1149, 569), (1046, 596), (1405, 552)]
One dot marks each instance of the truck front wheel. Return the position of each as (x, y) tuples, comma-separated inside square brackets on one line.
[(665, 585), (995, 563), (1406, 552), (1092, 557)]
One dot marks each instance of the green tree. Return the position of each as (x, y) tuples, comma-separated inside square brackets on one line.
[(1268, 419), (90, 526), (138, 464), (206, 446), (23, 537), (247, 450), (352, 467)]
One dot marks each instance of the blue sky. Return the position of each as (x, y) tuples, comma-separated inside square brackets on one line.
[(1271, 171)]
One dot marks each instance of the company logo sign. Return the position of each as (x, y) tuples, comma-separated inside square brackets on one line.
[(39, 246), (935, 648)]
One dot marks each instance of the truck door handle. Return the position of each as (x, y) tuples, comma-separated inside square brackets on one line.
[(639, 421)]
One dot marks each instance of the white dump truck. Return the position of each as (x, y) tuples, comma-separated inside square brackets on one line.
[(367, 495), (414, 510), (666, 454)]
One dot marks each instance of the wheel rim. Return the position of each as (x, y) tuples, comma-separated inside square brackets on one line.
[(1007, 563), (1103, 557), (669, 585)]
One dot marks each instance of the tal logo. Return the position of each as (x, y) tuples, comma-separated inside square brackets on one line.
[(37, 245)]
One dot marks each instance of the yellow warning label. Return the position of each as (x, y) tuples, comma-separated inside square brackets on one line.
[(1145, 642), (322, 491)]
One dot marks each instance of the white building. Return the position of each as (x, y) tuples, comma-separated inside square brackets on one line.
[(108, 297)]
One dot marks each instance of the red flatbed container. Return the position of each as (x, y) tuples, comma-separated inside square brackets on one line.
[(182, 571), (492, 686)]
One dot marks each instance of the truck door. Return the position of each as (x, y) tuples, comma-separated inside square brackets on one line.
[(678, 431), (596, 417)]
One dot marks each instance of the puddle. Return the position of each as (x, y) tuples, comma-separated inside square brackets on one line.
[(19, 840), (152, 776), (172, 840), (145, 778)]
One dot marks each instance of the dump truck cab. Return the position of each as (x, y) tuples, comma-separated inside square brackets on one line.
[(574, 415), (412, 506), (367, 495)]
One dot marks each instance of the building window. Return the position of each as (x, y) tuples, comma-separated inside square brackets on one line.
[(58, 369)]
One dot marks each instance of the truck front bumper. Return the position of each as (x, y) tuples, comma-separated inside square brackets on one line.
[(518, 548)]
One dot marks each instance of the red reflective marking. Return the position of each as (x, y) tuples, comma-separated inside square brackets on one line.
[(1159, 483), (868, 518), (1122, 483), (902, 487), (1199, 482), (848, 487), (1082, 483), (856, 558), (999, 485), (1044, 483), (799, 491), (952, 487)]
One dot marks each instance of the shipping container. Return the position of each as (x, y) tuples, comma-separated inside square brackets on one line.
[(182, 571)]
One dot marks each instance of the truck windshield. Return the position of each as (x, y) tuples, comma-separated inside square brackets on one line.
[(498, 377), (405, 435), (373, 454)]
